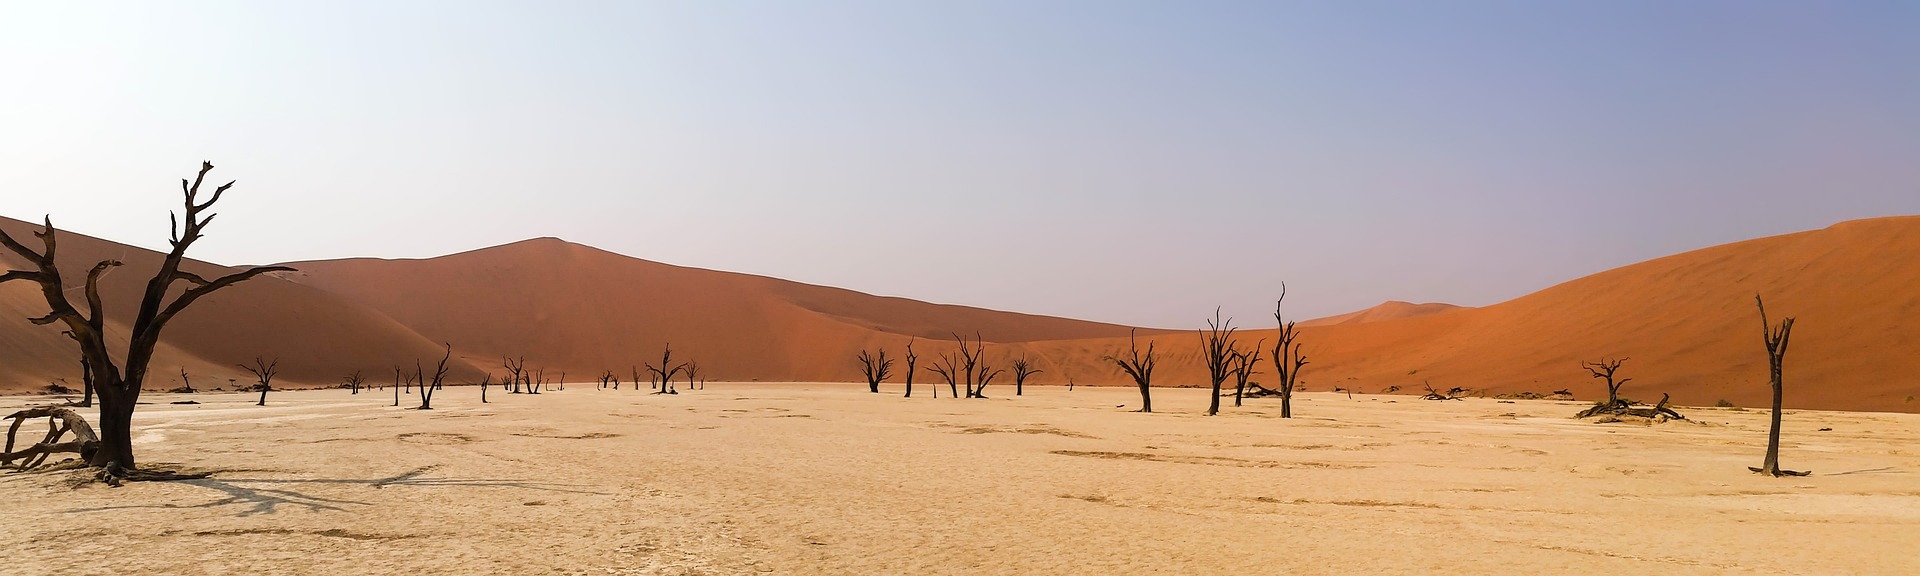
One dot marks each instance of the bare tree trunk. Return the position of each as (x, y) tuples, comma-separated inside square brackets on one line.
[(1776, 340), (911, 360), (1140, 368)]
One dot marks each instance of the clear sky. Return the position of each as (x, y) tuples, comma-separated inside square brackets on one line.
[(1134, 162)]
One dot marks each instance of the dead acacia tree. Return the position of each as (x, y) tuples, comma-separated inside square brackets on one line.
[(1245, 364), (516, 372), (86, 376), (1776, 341), (1608, 368), (970, 368), (606, 376), (1022, 369), (354, 381), (537, 379), (947, 366), (1219, 348), (1140, 368), (911, 361), (986, 374), (60, 421), (263, 371), (1450, 394), (693, 376), (439, 375), (118, 391), (186, 384), (636, 377), (484, 383), (396, 385), (1287, 358), (666, 371), (875, 368)]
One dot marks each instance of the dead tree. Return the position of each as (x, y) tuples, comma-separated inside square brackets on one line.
[(354, 381), (970, 368), (396, 385), (537, 379), (1140, 368), (666, 371), (911, 361), (118, 391), (60, 421), (484, 383), (947, 366), (1776, 340), (186, 384), (1022, 369), (1245, 363), (439, 375), (693, 376), (86, 375), (1450, 394), (636, 377), (875, 369), (1219, 348), (986, 375), (605, 377), (263, 371), (561, 383), (516, 372), (1287, 358), (1608, 368)]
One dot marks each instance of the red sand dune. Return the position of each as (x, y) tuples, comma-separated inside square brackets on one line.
[(1687, 321), (318, 336), (1390, 310), (580, 309)]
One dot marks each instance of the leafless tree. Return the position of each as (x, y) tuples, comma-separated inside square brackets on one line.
[(354, 381), (986, 373), (537, 379), (693, 376), (484, 383), (86, 372), (439, 376), (396, 385), (1451, 393), (666, 371), (119, 392), (1022, 369), (1607, 368), (1245, 365), (911, 361), (186, 384), (516, 371), (970, 368), (947, 366), (606, 377), (263, 371), (1219, 348), (1776, 339), (1140, 368), (636, 377), (1287, 358), (875, 368)]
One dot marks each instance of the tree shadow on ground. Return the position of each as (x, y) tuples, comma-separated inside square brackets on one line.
[(265, 500)]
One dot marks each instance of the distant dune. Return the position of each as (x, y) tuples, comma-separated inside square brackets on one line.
[(1687, 321), (318, 336), (1390, 310), (581, 309)]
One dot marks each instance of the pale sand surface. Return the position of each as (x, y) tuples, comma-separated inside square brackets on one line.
[(828, 479)]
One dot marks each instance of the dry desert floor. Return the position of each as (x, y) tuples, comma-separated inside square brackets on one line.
[(829, 479)]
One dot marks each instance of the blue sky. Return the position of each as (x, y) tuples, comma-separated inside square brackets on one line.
[(1135, 162)]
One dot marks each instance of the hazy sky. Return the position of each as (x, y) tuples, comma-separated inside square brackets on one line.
[(1120, 161)]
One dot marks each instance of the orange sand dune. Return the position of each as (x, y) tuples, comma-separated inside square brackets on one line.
[(571, 307), (1390, 310), (317, 336), (1687, 322)]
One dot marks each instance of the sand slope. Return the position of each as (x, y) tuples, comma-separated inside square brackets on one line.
[(317, 336), (1687, 321), (1391, 310), (581, 309)]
